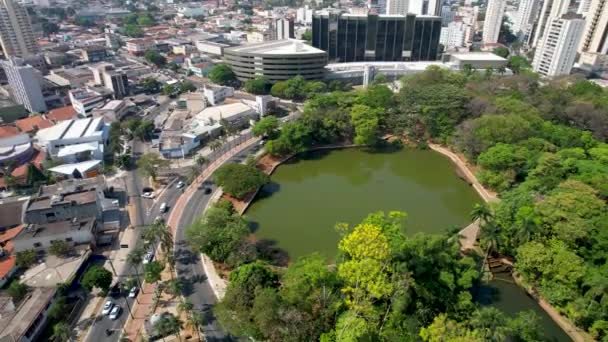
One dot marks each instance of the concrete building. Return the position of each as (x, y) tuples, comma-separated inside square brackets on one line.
[(16, 36), (16, 150), (216, 95), (358, 38), (304, 15), (397, 7), (26, 322), (453, 35), (94, 53), (550, 10), (139, 46), (191, 11), (491, 24), (276, 60), (107, 76), (447, 15), (555, 54), (583, 7), (40, 236), (593, 62), (112, 111), (595, 37), (376, 6), (527, 12), (283, 29), (71, 77), (85, 100), (26, 84), (74, 140)]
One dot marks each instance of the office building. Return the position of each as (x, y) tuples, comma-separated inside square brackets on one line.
[(555, 54), (399, 7), (526, 17), (283, 29), (277, 60), (376, 6), (447, 16), (596, 29), (551, 9), (74, 140), (453, 35), (358, 38), (26, 84), (16, 36), (107, 76), (304, 15), (493, 21)]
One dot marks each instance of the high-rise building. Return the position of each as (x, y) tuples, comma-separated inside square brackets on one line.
[(596, 28), (583, 7), (105, 75), (284, 29), (397, 7), (377, 6), (16, 36), (551, 9), (304, 15), (556, 52), (453, 35), (357, 38), (432, 7), (25, 83), (493, 21), (526, 16), (447, 16)]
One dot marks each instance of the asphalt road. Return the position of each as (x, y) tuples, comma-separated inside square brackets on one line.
[(189, 267), (147, 210)]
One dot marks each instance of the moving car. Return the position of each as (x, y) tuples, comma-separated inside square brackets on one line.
[(107, 307), (148, 257), (147, 194), (163, 207), (180, 185), (207, 191), (133, 292), (115, 312)]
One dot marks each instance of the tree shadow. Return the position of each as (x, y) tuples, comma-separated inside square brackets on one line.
[(269, 250)]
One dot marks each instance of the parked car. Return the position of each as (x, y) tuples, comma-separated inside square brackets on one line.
[(180, 185), (115, 290), (115, 312), (107, 307), (148, 258), (147, 194), (133, 292)]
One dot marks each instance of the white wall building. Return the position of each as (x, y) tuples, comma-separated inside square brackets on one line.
[(304, 15), (555, 54), (216, 95), (16, 35), (491, 25), (25, 83), (191, 11), (84, 101), (595, 38), (453, 35), (583, 7), (525, 19), (72, 140), (447, 16), (394, 7), (284, 29), (551, 9)]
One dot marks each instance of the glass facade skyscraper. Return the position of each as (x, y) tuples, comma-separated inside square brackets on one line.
[(372, 37)]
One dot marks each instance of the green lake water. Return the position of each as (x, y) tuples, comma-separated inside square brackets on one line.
[(307, 196)]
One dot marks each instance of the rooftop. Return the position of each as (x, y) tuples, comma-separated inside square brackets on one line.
[(14, 323), (70, 129), (10, 211), (477, 56), (55, 228), (8, 131), (61, 114), (33, 123), (73, 198), (278, 47)]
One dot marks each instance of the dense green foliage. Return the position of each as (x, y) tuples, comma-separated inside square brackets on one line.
[(150, 163), (384, 287), (17, 290), (222, 74), (267, 127), (239, 180), (221, 234), (26, 258), (297, 88), (155, 58), (258, 86), (97, 277)]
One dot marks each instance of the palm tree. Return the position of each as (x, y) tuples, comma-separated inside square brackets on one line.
[(194, 319), (481, 212), (200, 161), (490, 323), (169, 325), (61, 332), (134, 258)]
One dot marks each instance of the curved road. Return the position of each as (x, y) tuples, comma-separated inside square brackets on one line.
[(189, 267)]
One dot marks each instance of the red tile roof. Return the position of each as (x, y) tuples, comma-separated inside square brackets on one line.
[(61, 114), (9, 234), (8, 131), (7, 264), (27, 125)]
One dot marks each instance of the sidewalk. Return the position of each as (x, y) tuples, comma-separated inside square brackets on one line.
[(143, 309)]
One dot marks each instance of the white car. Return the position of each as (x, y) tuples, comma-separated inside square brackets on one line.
[(133, 292), (180, 185), (148, 257), (107, 307), (147, 194), (115, 312)]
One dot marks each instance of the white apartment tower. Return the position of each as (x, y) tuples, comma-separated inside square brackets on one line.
[(454, 35), (556, 52), (284, 29), (596, 29), (526, 16), (493, 21), (304, 15), (397, 7), (16, 36), (583, 7), (447, 16), (551, 9), (25, 84)]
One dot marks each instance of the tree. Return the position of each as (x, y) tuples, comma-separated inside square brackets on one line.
[(26, 258), (58, 309), (150, 85), (84, 22), (239, 180), (501, 51), (133, 31), (17, 290), (60, 248), (149, 164), (145, 19), (34, 176), (61, 332), (49, 28), (97, 277), (258, 86), (307, 36), (135, 258), (152, 271), (155, 58), (267, 127), (169, 90), (222, 74), (186, 86), (517, 64), (366, 122), (167, 325)]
